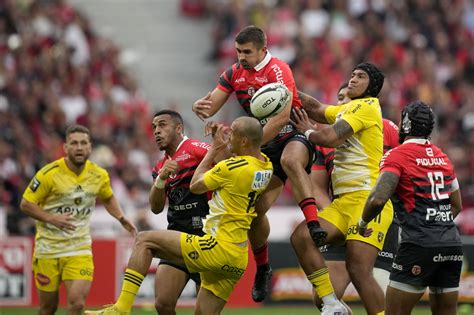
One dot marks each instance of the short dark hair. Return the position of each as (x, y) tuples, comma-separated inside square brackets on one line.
[(174, 115), (252, 34), (77, 128)]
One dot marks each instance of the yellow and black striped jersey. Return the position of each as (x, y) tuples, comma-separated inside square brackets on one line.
[(58, 190), (238, 183)]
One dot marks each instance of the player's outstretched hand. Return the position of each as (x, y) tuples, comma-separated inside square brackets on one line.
[(220, 138), (211, 128), (128, 225), (202, 106), (300, 119)]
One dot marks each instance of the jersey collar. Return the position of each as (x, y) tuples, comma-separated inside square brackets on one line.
[(264, 62), (417, 140), (182, 141)]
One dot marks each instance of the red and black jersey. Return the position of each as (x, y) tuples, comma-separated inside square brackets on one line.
[(426, 182), (186, 210), (324, 159), (245, 82), (390, 135)]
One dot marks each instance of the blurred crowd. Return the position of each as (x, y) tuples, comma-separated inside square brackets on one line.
[(56, 70)]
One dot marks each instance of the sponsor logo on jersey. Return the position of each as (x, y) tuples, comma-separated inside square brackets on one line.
[(430, 161), (240, 80), (77, 201), (182, 157), (433, 214), (187, 206), (35, 183), (279, 73), (261, 79), (232, 269), (203, 145), (78, 188), (416, 270), (261, 179)]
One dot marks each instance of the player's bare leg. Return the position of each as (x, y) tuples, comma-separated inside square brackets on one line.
[(169, 283), (48, 302), (258, 237), (208, 304), (399, 302), (444, 303), (77, 291), (294, 159), (360, 261)]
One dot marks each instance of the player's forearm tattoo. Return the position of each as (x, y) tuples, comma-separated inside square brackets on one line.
[(385, 186), (308, 102), (343, 129)]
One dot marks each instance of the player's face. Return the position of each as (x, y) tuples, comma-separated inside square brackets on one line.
[(249, 55), (358, 83), (78, 148), (166, 131), (342, 97)]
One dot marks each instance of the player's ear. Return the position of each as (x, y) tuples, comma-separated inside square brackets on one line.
[(180, 129)]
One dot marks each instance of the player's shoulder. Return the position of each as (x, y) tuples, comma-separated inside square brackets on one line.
[(51, 168), (235, 162), (96, 169)]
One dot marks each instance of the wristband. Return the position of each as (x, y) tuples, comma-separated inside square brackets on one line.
[(159, 183), (308, 132), (362, 223)]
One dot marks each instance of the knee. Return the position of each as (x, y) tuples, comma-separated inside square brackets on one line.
[(142, 238), (357, 270), (165, 306), (290, 164), (76, 305), (299, 236)]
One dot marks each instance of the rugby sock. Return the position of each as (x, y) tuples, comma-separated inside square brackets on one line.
[(381, 313), (131, 283), (322, 284), (261, 255), (310, 211)]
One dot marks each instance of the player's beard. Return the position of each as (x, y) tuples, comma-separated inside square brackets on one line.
[(78, 161)]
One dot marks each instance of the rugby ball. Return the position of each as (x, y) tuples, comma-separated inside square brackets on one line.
[(269, 100)]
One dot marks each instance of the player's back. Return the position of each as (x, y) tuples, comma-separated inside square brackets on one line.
[(425, 184), (239, 183)]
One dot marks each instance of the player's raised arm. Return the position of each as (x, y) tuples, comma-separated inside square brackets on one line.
[(314, 108), (210, 104)]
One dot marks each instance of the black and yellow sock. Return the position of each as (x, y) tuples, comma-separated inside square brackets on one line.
[(131, 283), (321, 282)]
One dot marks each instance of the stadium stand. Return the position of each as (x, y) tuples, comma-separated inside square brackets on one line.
[(55, 69)]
